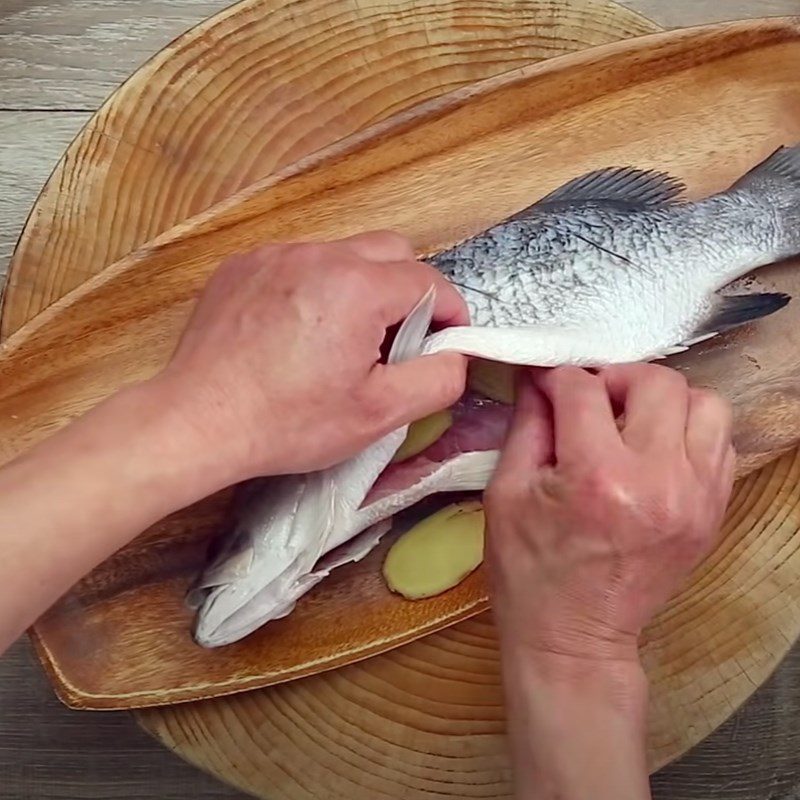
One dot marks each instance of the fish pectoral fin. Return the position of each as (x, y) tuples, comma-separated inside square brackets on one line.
[(357, 548), (536, 345), (731, 311), (615, 184), (411, 334)]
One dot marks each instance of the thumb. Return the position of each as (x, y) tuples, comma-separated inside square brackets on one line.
[(413, 389)]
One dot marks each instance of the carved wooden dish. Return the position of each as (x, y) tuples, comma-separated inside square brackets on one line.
[(644, 103)]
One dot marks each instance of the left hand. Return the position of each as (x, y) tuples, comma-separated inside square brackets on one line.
[(279, 369)]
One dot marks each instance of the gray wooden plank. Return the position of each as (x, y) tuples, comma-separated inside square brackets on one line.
[(674, 13), (49, 752), (71, 54), (30, 145)]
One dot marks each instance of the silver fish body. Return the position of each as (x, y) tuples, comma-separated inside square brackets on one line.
[(612, 267), (572, 265), (628, 276)]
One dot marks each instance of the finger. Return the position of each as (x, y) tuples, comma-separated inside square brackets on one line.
[(655, 402), (402, 284), (583, 418), (411, 390), (729, 472), (529, 442), (726, 477), (709, 429), (381, 246)]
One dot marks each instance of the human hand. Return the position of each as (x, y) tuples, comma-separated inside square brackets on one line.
[(279, 368), (594, 525)]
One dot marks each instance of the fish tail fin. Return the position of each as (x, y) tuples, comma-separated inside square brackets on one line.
[(777, 178)]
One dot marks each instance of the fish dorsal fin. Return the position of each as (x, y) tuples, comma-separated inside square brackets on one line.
[(615, 184)]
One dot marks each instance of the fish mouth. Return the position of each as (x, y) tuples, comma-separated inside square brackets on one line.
[(212, 630)]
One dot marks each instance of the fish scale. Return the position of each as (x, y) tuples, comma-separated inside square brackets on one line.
[(567, 263), (611, 267)]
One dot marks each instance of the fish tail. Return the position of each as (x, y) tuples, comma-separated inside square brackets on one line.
[(777, 180)]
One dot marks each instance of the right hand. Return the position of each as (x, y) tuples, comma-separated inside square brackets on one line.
[(279, 368), (594, 524)]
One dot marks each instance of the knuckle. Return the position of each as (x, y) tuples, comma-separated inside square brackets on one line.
[(600, 487), (666, 515), (648, 372), (374, 408), (565, 378), (712, 403), (622, 494), (673, 379), (567, 373), (380, 245), (453, 378), (506, 491), (353, 277), (394, 241), (676, 512), (626, 372), (667, 377)]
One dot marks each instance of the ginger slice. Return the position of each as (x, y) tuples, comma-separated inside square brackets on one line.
[(422, 434), (494, 380), (437, 553)]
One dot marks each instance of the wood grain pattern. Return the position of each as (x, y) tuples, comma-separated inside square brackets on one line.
[(31, 144), (692, 12), (70, 56), (50, 752), (57, 56), (411, 710), (567, 27), (226, 126), (102, 655)]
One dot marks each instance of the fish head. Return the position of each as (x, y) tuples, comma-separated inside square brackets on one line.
[(277, 542), (220, 626)]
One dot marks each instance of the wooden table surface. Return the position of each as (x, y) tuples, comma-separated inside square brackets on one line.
[(58, 60)]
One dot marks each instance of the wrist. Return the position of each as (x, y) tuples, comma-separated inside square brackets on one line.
[(545, 625), (206, 421), (576, 726), (156, 451), (622, 683)]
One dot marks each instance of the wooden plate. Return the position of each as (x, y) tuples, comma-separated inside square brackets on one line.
[(426, 719), (84, 195), (121, 325)]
